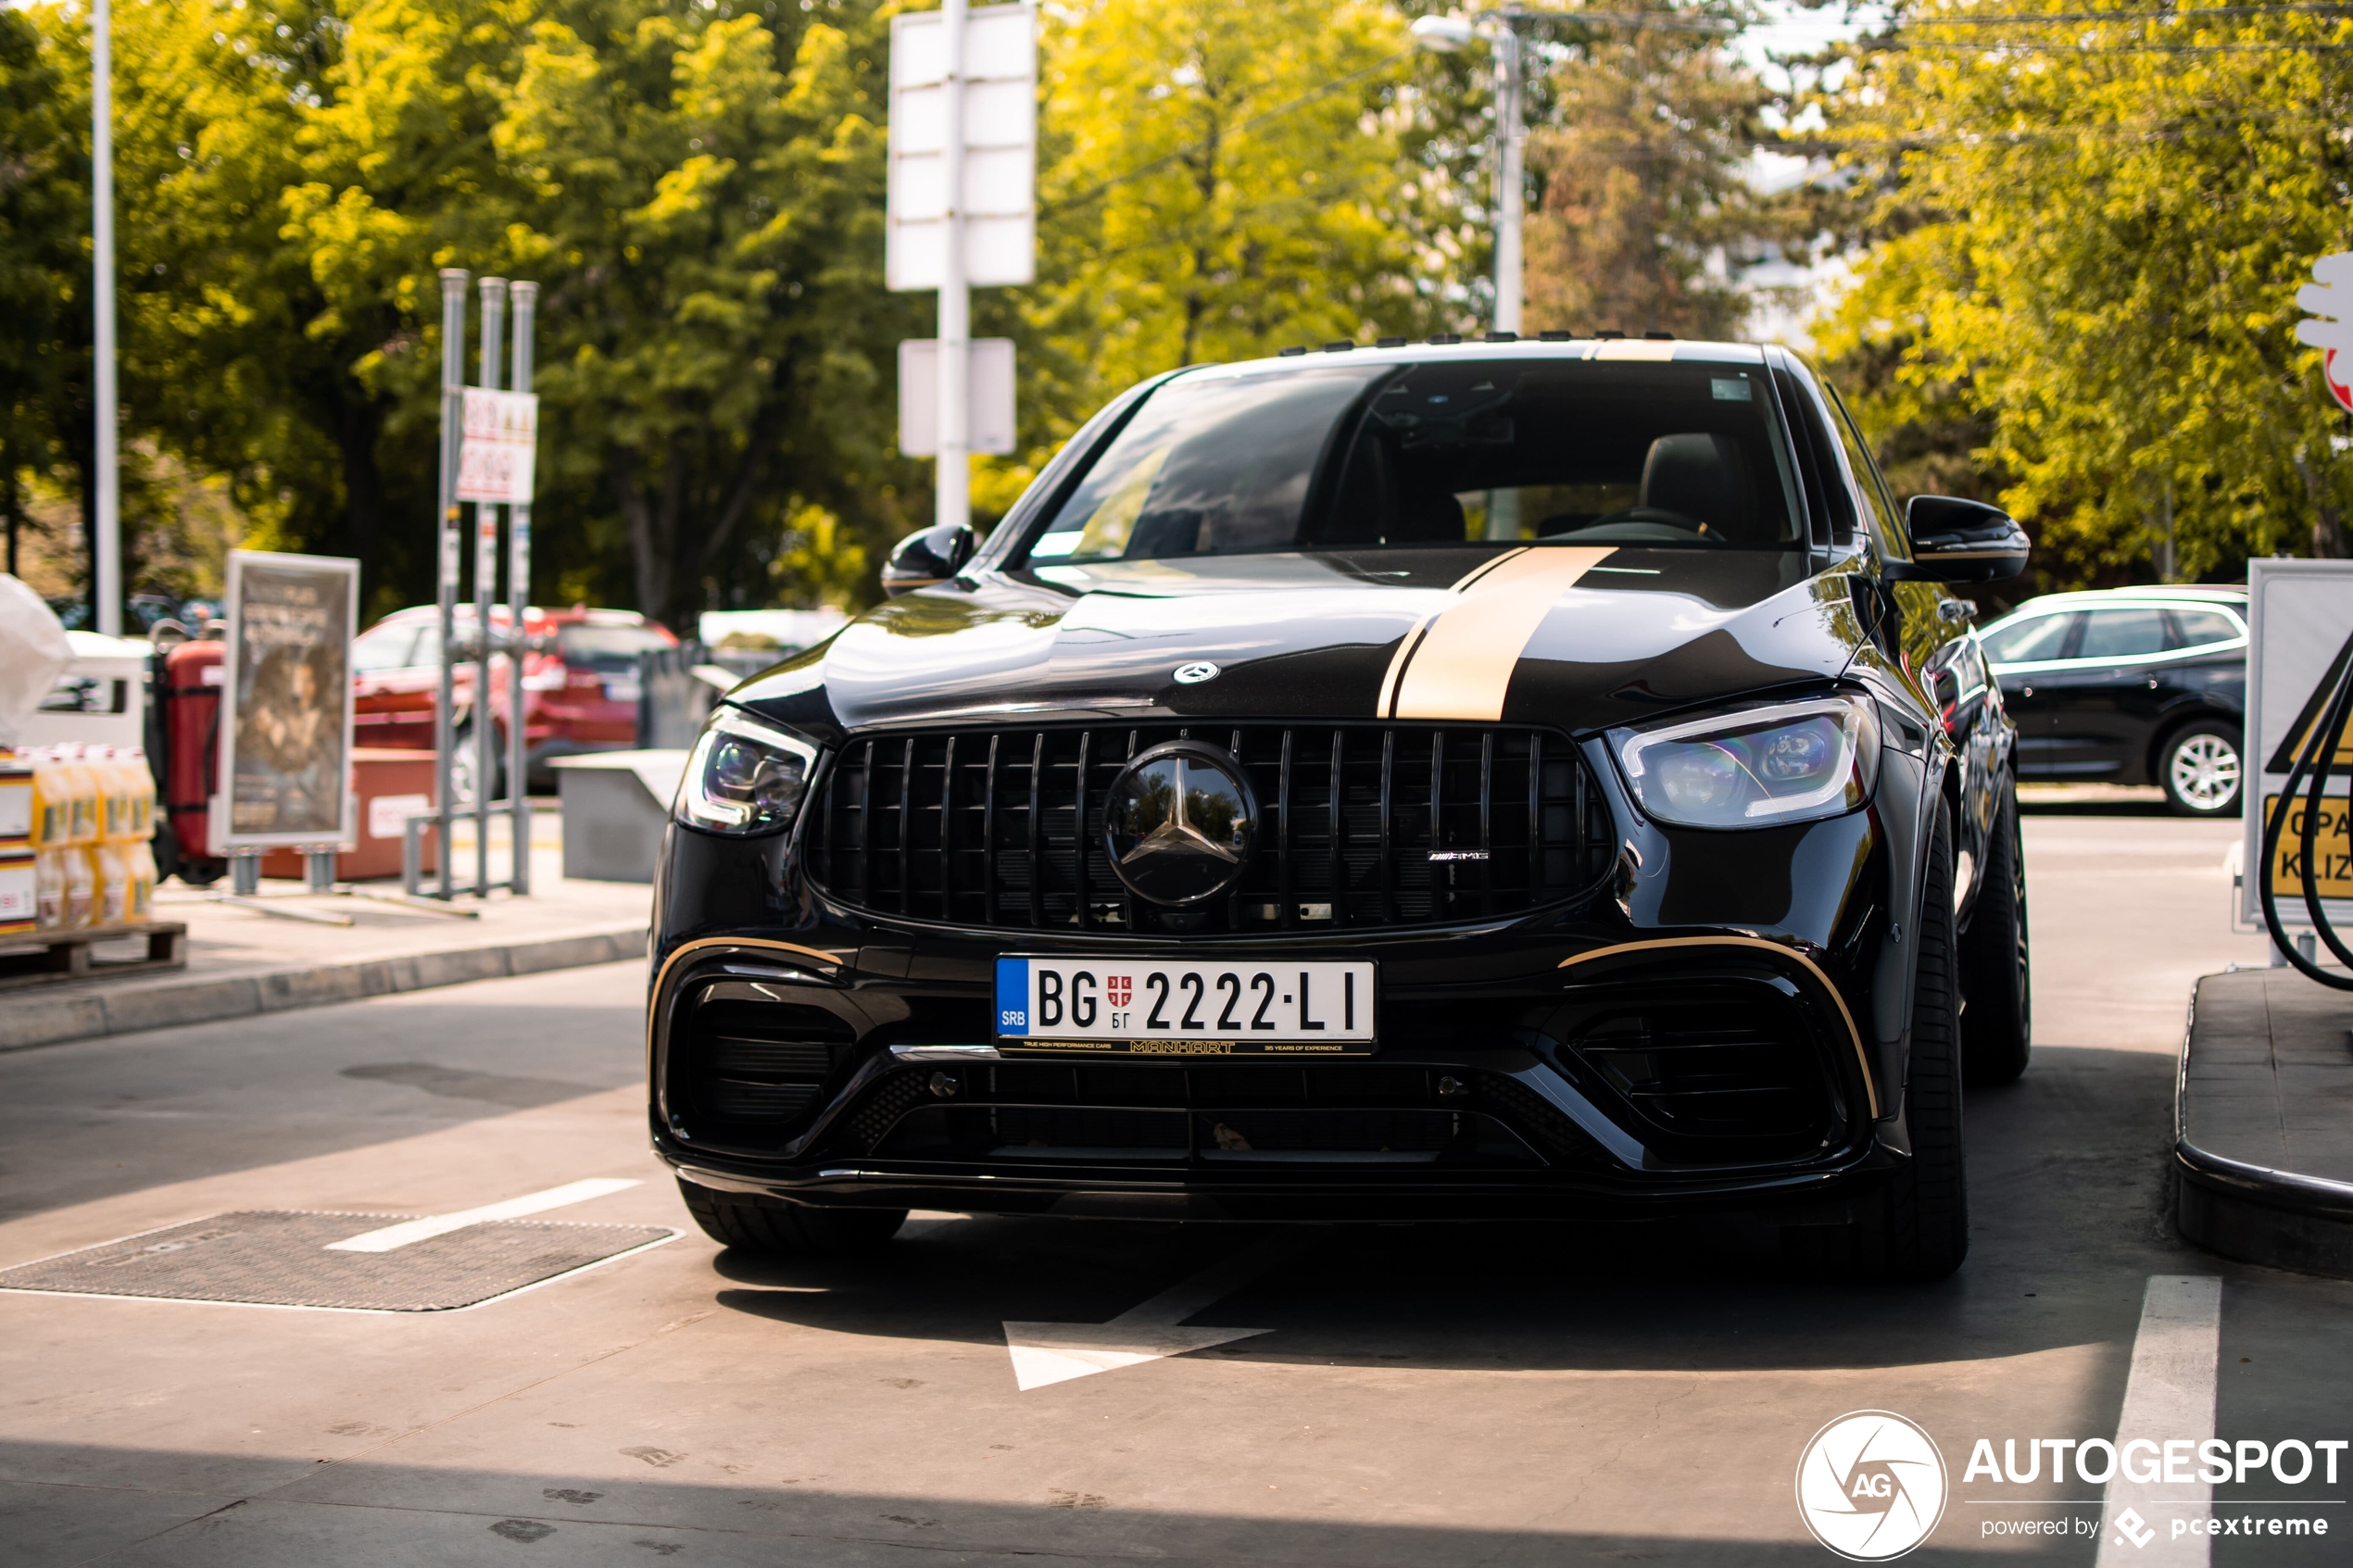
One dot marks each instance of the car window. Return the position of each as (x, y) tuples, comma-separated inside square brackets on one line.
[(1817, 459), (2036, 637), (382, 648), (608, 650), (2122, 634), (1208, 467), (1894, 538), (2197, 628), (1442, 453)]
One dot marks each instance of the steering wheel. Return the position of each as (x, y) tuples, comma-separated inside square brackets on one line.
[(1655, 516)]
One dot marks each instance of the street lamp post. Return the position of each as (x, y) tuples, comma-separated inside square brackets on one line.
[(105, 533), (1503, 31)]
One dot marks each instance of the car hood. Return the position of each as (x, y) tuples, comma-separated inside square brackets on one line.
[(1575, 638)]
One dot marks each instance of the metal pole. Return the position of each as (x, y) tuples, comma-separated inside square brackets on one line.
[(1509, 178), (453, 414), (1503, 506), (952, 501), (493, 321), (526, 298), (105, 545)]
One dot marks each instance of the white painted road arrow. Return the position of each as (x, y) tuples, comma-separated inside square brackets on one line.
[(1056, 1352)]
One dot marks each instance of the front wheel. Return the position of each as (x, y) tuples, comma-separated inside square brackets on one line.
[(754, 1223), (2201, 768), (465, 766), (1916, 1228), (1997, 1028)]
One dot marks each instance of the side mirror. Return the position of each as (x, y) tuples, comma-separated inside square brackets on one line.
[(932, 555), (1957, 541)]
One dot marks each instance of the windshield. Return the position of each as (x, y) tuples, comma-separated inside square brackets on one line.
[(610, 650), (1459, 450)]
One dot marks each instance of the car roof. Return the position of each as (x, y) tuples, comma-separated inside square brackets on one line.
[(2223, 594), (1552, 345), (575, 615)]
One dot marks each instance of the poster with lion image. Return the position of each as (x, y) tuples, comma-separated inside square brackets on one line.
[(285, 751)]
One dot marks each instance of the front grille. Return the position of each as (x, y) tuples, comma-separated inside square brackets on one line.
[(1003, 828)]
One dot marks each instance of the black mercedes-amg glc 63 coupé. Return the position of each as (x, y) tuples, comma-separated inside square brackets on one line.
[(1466, 780)]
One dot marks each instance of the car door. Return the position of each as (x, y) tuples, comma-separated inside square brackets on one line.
[(378, 655), (2107, 698), (2026, 654), (411, 691), (2209, 672)]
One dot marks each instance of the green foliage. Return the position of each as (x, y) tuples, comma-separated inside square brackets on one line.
[(1218, 178), (1641, 176), (2089, 241)]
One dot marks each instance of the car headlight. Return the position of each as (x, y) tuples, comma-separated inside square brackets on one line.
[(1760, 767), (746, 776)]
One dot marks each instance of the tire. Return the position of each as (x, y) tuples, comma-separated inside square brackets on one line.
[(461, 767), (749, 1223), (2201, 769), (1997, 1028), (1915, 1229), (201, 872), (165, 848)]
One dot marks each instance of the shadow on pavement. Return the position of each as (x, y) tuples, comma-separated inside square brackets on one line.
[(361, 1511), (2067, 1171)]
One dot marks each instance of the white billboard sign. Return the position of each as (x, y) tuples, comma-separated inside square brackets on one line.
[(496, 460), (2299, 614), (999, 148), (988, 397)]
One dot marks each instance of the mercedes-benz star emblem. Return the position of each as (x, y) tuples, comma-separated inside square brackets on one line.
[(1180, 823), (1194, 674)]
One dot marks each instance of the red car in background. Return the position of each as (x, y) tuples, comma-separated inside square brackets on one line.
[(580, 686)]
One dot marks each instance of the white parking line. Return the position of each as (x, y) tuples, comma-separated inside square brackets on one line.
[(2168, 1397), (1046, 1353), (408, 1231)]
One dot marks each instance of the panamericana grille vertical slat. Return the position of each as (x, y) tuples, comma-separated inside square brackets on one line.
[(1002, 828)]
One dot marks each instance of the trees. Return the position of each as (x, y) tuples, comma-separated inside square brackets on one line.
[(44, 196), (1641, 176), (2091, 237)]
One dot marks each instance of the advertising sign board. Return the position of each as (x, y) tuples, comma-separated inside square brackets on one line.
[(2299, 613), (285, 732), (501, 445)]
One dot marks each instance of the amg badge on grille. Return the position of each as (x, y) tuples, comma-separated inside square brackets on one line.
[(1179, 823)]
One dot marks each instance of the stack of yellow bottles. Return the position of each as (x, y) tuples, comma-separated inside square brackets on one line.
[(20, 877), (92, 815)]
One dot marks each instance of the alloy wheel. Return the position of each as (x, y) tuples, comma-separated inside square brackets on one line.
[(2205, 772)]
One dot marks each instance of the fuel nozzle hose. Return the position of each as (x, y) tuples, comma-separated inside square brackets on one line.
[(2315, 755)]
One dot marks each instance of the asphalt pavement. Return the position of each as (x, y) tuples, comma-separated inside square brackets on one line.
[(1408, 1396)]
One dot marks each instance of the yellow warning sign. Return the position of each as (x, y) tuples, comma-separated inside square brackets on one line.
[(2332, 850)]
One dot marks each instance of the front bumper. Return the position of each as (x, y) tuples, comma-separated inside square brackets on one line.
[(1620, 1081), (1617, 1056)]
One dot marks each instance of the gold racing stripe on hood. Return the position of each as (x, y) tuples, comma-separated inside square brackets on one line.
[(1457, 663)]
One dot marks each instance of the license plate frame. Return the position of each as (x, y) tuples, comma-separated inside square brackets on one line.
[(1347, 1009)]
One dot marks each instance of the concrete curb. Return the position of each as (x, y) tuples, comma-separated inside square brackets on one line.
[(2263, 1054), (37, 1020)]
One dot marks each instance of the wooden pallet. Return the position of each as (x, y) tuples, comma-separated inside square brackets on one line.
[(50, 958)]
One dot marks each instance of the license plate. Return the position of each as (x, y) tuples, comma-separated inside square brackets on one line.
[(1157, 1007)]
